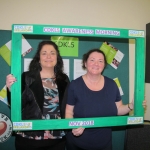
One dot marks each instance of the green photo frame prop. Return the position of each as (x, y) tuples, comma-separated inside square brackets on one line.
[(19, 29)]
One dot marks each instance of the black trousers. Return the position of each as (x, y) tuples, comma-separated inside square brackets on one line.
[(71, 146), (48, 144)]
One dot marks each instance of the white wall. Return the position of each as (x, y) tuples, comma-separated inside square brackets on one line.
[(105, 13), (132, 14)]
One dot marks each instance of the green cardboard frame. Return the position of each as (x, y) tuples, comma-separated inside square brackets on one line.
[(19, 29)]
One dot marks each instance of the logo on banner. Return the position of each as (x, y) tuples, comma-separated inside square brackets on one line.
[(135, 120), (22, 125), (5, 127), (136, 33), (23, 28)]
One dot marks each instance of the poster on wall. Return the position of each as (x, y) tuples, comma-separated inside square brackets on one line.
[(5, 53), (68, 46), (113, 55)]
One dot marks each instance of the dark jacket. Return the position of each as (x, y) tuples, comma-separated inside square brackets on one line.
[(33, 95)]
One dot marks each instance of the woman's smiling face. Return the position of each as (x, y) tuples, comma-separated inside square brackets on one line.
[(48, 56), (95, 63)]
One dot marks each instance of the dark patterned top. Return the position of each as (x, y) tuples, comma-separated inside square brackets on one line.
[(50, 110)]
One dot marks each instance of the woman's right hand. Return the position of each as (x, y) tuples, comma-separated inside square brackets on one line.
[(78, 131), (10, 79)]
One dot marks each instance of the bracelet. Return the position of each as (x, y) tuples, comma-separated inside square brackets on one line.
[(129, 106)]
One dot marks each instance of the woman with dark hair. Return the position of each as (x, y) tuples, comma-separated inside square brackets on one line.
[(43, 97), (93, 95)]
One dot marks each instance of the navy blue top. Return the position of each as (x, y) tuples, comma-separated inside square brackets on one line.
[(88, 104)]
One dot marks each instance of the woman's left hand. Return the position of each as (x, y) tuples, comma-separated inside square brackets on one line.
[(144, 103)]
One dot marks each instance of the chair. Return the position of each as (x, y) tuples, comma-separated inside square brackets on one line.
[(138, 137)]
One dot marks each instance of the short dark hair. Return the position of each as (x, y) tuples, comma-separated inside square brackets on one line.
[(86, 56), (35, 65)]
